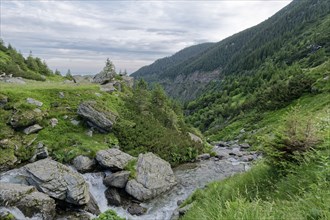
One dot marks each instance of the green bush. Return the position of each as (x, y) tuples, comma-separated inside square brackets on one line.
[(109, 215)]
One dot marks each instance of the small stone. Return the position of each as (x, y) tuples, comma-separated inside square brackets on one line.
[(83, 163), (75, 122), (37, 110), (32, 129), (136, 209), (245, 145), (203, 157), (89, 133), (61, 95), (34, 102), (242, 131), (98, 94), (42, 151), (53, 122), (247, 158), (65, 117)]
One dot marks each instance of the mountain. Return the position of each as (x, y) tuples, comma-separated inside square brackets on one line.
[(287, 37)]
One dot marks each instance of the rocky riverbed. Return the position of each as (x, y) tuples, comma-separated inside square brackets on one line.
[(155, 191)]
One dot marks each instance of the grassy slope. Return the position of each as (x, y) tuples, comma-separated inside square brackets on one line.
[(261, 194), (66, 140)]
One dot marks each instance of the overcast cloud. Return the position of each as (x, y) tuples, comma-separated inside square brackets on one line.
[(80, 35)]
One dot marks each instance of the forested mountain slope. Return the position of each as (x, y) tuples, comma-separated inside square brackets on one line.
[(287, 37)]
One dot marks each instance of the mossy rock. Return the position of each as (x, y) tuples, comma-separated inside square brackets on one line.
[(23, 119)]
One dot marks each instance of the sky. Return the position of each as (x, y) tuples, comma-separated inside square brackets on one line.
[(80, 35)]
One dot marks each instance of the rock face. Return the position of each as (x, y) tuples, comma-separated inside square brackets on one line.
[(27, 199), (34, 102), (113, 159), (154, 176), (58, 181), (136, 209), (83, 164), (32, 129), (101, 120), (117, 180)]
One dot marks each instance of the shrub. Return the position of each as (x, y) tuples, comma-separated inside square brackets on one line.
[(296, 137), (109, 215)]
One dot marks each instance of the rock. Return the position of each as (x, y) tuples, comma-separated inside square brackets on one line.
[(185, 209), (16, 80), (247, 158), (136, 209), (100, 119), (61, 95), (41, 151), (222, 144), (92, 206), (117, 180), (6, 214), (222, 155), (32, 129), (98, 94), (83, 164), (34, 102), (128, 80), (203, 157), (53, 122), (106, 75), (58, 181), (113, 196), (154, 176), (37, 110), (245, 145), (3, 100), (195, 138), (113, 159), (89, 133), (109, 88), (27, 199), (242, 131), (75, 122), (22, 119)]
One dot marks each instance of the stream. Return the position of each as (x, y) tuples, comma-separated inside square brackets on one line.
[(189, 176)]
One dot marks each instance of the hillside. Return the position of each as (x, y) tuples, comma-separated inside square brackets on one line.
[(287, 37), (12, 63)]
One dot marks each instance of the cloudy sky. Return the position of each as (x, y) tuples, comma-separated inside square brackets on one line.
[(80, 35)]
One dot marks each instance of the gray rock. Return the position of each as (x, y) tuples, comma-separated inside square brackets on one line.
[(154, 177), (22, 119), (92, 206), (27, 199), (245, 145), (128, 80), (37, 110), (61, 95), (195, 138), (118, 179), (113, 159), (203, 157), (136, 209), (53, 122), (83, 164), (100, 119), (58, 181), (242, 131), (113, 196), (75, 122), (3, 100), (222, 155), (89, 133), (41, 151), (16, 80), (185, 209), (32, 129), (109, 88), (98, 94), (247, 158), (34, 102)]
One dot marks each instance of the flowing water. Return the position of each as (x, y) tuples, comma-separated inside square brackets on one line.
[(189, 177)]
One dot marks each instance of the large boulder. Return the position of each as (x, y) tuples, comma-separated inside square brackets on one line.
[(113, 159), (154, 176), (113, 197), (102, 120), (83, 164), (27, 199), (117, 180), (58, 181)]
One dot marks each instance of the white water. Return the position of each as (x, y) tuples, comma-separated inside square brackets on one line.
[(189, 177)]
